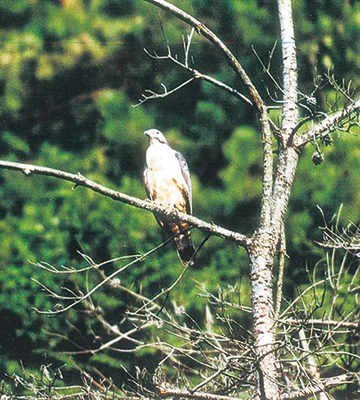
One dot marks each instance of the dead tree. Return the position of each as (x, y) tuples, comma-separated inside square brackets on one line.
[(277, 179), (277, 182)]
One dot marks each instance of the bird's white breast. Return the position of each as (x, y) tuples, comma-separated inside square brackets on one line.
[(161, 158)]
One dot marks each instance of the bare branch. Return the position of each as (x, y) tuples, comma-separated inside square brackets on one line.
[(222, 85), (120, 336), (319, 322), (165, 391), (187, 47), (266, 69), (206, 32), (65, 270), (80, 180), (153, 95), (196, 75), (344, 90), (316, 388), (76, 299), (331, 122)]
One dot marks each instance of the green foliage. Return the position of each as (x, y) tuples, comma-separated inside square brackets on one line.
[(70, 73), (244, 162)]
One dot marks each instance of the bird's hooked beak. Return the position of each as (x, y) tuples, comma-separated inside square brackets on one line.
[(155, 136), (149, 135)]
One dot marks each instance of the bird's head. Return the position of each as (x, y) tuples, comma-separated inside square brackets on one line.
[(155, 136)]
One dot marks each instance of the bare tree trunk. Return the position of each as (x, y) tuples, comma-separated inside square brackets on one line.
[(262, 252), (261, 256)]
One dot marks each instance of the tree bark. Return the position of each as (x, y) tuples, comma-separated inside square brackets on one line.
[(263, 249)]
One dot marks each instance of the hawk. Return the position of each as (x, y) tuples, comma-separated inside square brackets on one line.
[(167, 181)]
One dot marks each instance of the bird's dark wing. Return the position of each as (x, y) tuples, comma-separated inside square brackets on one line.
[(186, 174)]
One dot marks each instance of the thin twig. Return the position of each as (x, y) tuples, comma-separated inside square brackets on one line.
[(312, 390), (76, 299)]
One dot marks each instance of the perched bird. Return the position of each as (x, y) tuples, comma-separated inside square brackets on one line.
[(167, 181)]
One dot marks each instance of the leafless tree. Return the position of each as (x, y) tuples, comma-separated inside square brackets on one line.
[(279, 359)]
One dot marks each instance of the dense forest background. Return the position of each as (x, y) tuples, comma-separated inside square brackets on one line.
[(71, 72)]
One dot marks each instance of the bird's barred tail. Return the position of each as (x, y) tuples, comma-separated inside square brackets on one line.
[(183, 243)]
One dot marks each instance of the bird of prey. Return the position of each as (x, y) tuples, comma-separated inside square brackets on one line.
[(167, 181)]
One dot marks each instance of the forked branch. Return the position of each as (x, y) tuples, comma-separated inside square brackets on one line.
[(195, 75), (334, 121), (215, 40), (254, 95)]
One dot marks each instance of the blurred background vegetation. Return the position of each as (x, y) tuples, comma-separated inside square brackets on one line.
[(71, 72)]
